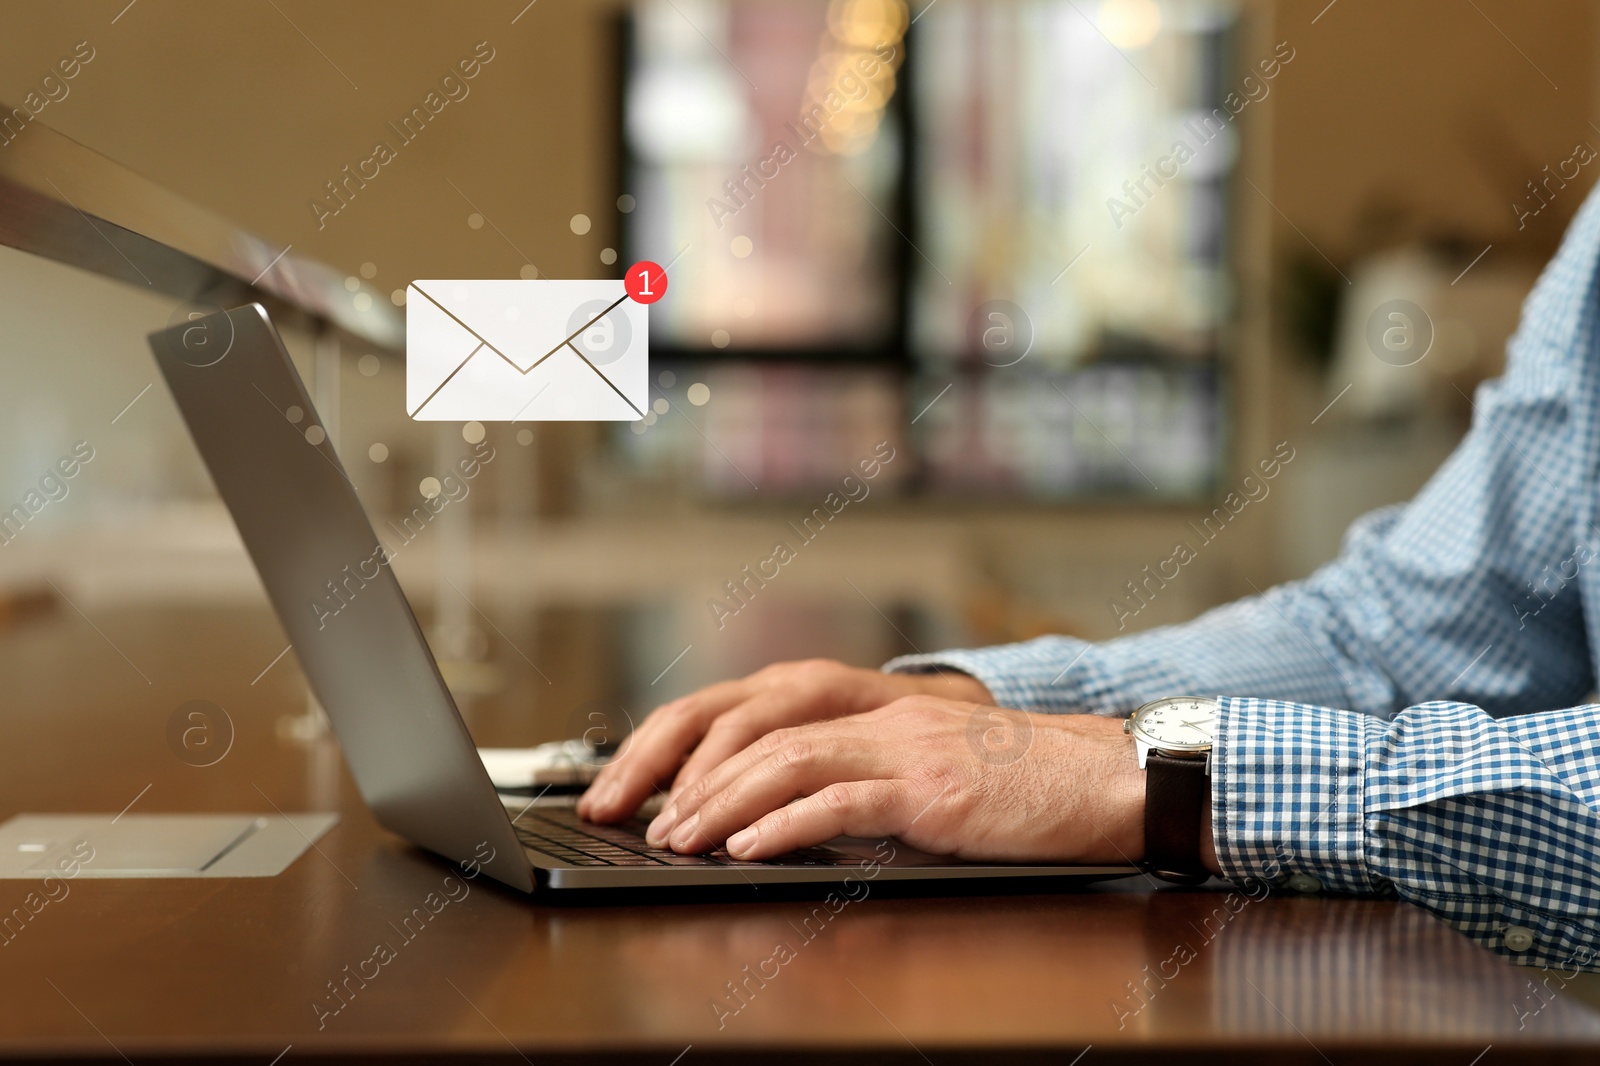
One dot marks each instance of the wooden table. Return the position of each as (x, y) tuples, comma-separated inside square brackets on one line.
[(241, 970)]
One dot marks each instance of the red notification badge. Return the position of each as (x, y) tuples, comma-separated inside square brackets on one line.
[(645, 281)]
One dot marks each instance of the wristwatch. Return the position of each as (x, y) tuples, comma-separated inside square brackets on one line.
[(1172, 738)]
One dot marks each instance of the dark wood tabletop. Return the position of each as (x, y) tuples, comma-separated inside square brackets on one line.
[(245, 970)]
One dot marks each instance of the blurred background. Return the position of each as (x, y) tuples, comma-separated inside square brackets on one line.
[(1079, 266)]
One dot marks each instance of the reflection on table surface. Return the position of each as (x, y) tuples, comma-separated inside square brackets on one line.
[(253, 966)]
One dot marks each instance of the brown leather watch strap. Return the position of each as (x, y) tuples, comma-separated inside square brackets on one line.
[(1175, 793)]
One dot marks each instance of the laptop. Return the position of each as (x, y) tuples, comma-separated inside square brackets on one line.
[(412, 758)]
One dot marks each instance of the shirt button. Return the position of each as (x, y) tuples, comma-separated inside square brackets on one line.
[(1304, 883), (1518, 938)]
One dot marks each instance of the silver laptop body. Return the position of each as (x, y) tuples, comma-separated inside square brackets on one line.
[(370, 667)]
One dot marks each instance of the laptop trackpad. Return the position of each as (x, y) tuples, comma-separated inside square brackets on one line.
[(888, 852), (154, 845)]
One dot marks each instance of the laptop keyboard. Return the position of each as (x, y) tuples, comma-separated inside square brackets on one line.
[(561, 834)]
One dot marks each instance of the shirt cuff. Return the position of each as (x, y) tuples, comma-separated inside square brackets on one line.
[(1288, 788), (1064, 675), (1028, 677)]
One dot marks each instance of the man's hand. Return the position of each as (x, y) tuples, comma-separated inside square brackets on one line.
[(1063, 788), (716, 723)]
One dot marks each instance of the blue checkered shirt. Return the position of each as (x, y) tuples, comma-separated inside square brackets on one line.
[(1403, 722)]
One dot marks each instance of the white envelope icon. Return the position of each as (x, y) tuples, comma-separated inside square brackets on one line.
[(523, 351)]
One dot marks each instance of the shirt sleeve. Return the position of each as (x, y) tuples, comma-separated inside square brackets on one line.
[(1469, 592), (1491, 825)]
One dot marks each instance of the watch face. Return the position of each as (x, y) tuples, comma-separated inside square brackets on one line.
[(1181, 723)]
